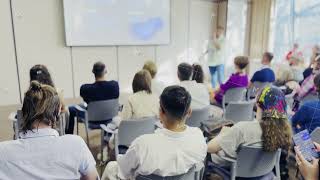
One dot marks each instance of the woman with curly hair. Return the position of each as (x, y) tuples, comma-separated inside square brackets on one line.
[(270, 130)]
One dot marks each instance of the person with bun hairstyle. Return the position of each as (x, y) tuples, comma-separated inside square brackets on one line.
[(41, 153), (41, 74), (236, 80), (270, 130), (100, 90), (308, 115), (156, 85)]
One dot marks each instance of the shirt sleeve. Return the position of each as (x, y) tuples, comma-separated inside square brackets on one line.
[(83, 93), (306, 87), (230, 141), (299, 117), (128, 163), (87, 162), (255, 77), (229, 84), (127, 111)]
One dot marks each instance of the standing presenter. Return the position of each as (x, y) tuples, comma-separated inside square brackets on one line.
[(215, 51)]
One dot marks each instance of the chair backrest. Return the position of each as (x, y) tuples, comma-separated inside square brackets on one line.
[(192, 174), (315, 135), (309, 97), (129, 130), (289, 100), (239, 111), (198, 116), (234, 94), (260, 85), (102, 110), (254, 162)]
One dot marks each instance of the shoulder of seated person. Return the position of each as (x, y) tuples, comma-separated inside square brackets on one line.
[(73, 138)]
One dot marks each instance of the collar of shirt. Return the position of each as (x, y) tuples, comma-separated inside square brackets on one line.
[(172, 134), (35, 133)]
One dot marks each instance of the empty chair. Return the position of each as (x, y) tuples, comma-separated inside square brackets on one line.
[(192, 174), (239, 111), (129, 130), (234, 94), (315, 135), (254, 162), (309, 97), (198, 116), (98, 112)]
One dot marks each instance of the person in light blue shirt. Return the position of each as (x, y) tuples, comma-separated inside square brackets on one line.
[(41, 153)]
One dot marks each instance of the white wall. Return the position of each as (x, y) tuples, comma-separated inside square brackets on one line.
[(39, 33)]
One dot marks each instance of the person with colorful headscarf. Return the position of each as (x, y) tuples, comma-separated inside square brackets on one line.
[(270, 130)]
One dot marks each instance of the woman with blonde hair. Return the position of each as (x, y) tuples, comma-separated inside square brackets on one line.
[(156, 85), (270, 130)]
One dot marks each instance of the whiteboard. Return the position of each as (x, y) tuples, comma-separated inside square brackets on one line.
[(116, 22)]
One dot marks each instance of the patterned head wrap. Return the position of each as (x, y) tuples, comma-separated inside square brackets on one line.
[(272, 102)]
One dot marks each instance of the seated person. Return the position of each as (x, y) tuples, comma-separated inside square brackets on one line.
[(265, 74), (238, 79), (199, 92), (156, 86), (285, 81), (142, 103), (307, 86), (315, 54), (41, 74), (308, 115), (170, 151), (98, 91), (296, 64), (41, 153), (270, 131)]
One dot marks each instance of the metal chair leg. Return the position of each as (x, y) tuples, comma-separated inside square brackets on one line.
[(77, 119)]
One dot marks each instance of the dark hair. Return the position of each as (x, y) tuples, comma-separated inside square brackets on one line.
[(41, 104), (184, 71), (142, 82), (241, 61), (41, 74), (99, 69), (198, 74), (269, 55), (175, 102)]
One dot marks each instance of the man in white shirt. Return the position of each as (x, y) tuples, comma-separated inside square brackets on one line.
[(170, 151), (216, 51), (199, 92)]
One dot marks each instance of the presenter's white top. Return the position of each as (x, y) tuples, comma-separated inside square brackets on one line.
[(43, 154), (216, 56), (199, 94), (164, 153)]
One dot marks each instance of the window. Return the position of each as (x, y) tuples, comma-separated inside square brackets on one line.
[(295, 21)]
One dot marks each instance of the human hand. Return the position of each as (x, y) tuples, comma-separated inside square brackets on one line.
[(310, 171)]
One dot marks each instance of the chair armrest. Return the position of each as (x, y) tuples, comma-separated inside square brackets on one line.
[(80, 108)]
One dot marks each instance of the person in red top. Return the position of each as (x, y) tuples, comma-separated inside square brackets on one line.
[(294, 51)]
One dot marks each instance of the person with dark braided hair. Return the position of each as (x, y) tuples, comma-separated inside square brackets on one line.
[(41, 153)]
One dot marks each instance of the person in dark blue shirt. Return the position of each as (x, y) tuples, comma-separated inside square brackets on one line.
[(308, 115), (98, 91), (265, 74)]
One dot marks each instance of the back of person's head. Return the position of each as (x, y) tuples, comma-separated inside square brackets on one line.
[(276, 131), (198, 74), (151, 67), (267, 56), (241, 62), (41, 74), (184, 71), (41, 104), (175, 103), (99, 69), (142, 82)]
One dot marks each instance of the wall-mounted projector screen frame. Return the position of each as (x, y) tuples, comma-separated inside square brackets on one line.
[(117, 22)]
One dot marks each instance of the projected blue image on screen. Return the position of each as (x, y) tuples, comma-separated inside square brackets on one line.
[(146, 30), (117, 22)]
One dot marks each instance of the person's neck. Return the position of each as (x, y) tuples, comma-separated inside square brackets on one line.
[(176, 127), (265, 64), (100, 79), (40, 126)]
